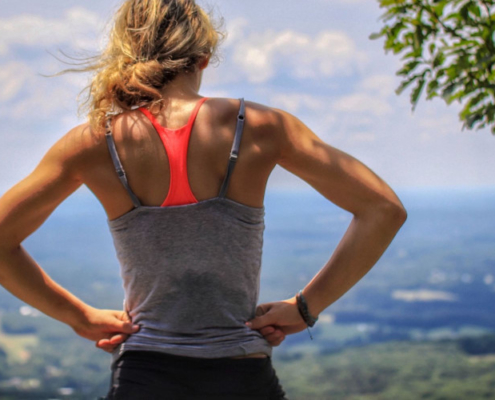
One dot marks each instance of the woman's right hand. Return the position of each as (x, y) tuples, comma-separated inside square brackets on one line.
[(282, 316)]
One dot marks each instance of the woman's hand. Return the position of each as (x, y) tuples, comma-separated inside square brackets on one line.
[(272, 334), (108, 328), (277, 319)]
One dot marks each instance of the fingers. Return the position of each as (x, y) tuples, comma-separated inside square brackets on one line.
[(117, 339), (267, 330), (107, 348), (105, 345), (260, 321), (124, 316), (273, 335), (128, 327), (111, 343), (275, 339), (123, 323)]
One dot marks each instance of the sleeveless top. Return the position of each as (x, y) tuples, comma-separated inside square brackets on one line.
[(190, 269)]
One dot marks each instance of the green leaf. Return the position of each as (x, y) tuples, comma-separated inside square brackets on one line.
[(418, 38), (440, 73), (490, 112), (464, 12), (458, 95), (405, 84), (408, 67), (470, 120), (376, 35), (432, 47), (397, 28), (410, 54), (473, 101), (398, 47), (463, 43), (439, 59), (417, 92), (474, 9), (456, 16), (487, 59), (476, 99), (448, 90), (451, 72), (385, 3), (430, 89), (438, 8)]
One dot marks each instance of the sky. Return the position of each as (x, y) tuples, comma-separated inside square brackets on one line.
[(311, 58)]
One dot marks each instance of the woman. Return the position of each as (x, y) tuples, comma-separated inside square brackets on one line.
[(182, 179)]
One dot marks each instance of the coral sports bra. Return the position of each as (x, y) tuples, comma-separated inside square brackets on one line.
[(176, 143)]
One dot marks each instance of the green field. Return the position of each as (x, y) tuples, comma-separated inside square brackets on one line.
[(390, 371)]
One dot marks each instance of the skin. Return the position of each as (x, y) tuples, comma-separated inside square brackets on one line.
[(271, 137)]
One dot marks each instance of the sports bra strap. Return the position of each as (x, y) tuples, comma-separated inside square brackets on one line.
[(118, 165), (235, 148), (232, 159)]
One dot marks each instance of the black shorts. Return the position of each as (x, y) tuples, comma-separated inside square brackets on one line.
[(154, 375)]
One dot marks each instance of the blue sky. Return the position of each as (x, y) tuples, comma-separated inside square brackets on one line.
[(313, 59)]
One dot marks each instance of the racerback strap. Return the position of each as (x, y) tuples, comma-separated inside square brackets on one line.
[(235, 148), (118, 164), (232, 159)]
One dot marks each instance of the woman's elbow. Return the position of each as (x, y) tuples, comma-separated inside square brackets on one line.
[(395, 213), (7, 241)]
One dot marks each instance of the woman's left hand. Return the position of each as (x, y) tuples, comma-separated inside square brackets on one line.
[(108, 328)]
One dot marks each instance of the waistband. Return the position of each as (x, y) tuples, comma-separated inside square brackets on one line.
[(179, 361)]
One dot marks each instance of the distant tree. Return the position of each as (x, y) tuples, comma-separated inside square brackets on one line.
[(478, 345), (449, 46)]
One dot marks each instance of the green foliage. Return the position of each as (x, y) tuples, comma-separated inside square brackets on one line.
[(449, 46), (390, 371)]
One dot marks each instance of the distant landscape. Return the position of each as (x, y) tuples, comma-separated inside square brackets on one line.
[(419, 325)]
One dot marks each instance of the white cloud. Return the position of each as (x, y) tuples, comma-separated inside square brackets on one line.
[(35, 31), (262, 56), (296, 102), (383, 85), (363, 102), (23, 91), (13, 76), (423, 295), (235, 31), (363, 137), (439, 124)]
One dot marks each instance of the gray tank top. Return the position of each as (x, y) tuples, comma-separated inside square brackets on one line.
[(191, 273)]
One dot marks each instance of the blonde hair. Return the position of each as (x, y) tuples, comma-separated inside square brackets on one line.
[(151, 42)]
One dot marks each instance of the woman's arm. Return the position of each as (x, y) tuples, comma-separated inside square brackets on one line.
[(23, 209), (351, 185)]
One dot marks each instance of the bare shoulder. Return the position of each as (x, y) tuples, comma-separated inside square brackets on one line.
[(84, 149), (258, 115), (264, 124), (129, 126), (76, 145)]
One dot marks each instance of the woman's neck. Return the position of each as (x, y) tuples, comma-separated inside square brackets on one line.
[(184, 86)]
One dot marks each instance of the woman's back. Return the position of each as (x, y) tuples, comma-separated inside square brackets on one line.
[(146, 163), (190, 268)]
